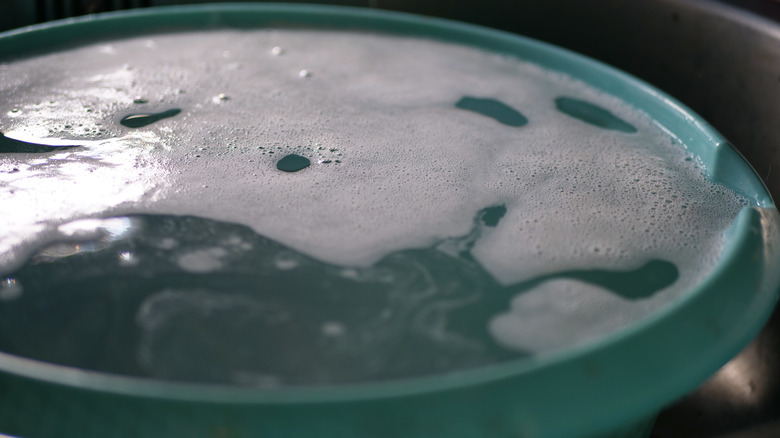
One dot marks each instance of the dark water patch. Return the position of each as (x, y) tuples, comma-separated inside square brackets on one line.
[(10, 145), (492, 215), (639, 283), (592, 114), (264, 309), (494, 109), (634, 284), (293, 163), (142, 119), (252, 314)]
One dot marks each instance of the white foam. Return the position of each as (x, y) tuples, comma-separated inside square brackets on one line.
[(559, 313), (413, 168)]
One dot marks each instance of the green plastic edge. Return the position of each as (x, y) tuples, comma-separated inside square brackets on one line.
[(700, 316)]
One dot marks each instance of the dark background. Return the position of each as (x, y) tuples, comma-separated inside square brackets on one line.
[(720, 57)]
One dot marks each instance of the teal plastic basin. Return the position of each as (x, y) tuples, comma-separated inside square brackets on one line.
[(610, 388)]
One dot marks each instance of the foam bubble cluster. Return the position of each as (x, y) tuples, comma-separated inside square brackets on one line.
[(396, 143)]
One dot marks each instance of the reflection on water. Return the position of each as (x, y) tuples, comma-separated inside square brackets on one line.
[(68, 183), (85, 235), (742, 382)]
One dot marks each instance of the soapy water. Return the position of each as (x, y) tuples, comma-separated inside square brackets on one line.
[(214, 305), (485, 210)]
